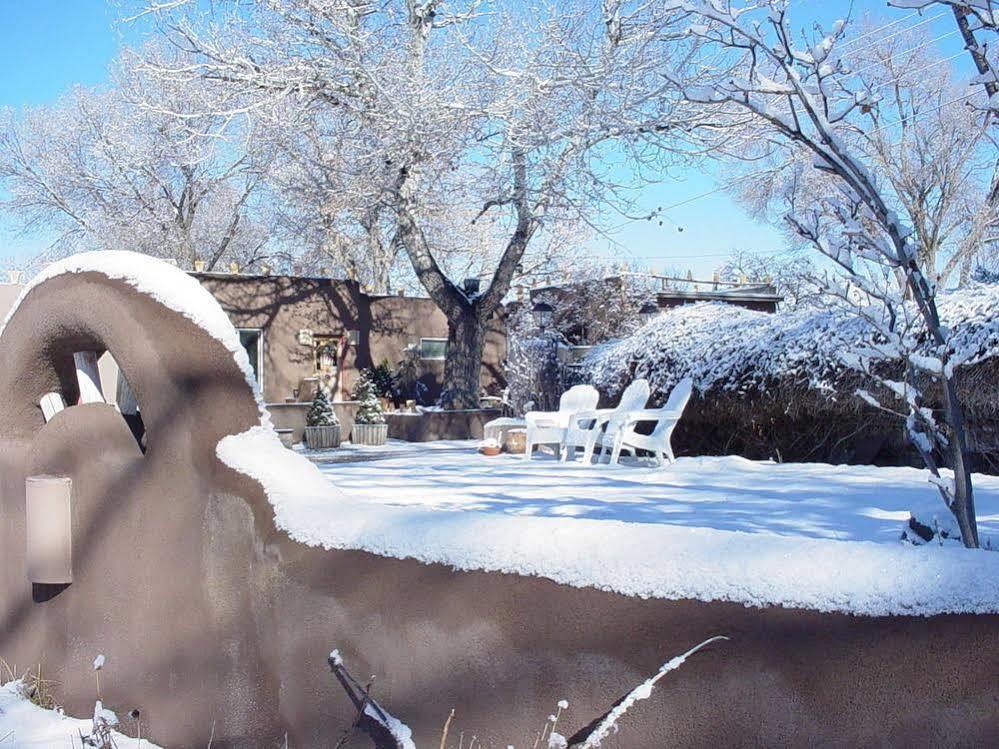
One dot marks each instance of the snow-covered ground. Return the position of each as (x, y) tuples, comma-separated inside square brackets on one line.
[(813, 500), (27, 726)]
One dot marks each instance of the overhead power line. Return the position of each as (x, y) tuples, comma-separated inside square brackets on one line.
[(866, 34), (925, 21)]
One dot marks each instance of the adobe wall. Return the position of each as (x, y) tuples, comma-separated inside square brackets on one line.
[(216, 624), (282, 306)]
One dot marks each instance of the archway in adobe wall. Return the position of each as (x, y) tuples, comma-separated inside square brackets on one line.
[(161, 541)]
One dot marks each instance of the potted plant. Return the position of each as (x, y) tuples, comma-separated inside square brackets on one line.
[(369, 423), (490, 447), (322, 429)]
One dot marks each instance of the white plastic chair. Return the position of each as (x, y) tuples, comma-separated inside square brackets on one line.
[(590, 429), (626, 439), (548, 427)]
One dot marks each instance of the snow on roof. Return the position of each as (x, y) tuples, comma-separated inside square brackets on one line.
[(165, 283)]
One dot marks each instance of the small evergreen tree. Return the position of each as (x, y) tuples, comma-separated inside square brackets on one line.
[(321, 413), (385, 382), (365, 391)]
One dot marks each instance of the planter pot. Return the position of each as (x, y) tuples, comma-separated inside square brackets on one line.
[(322, 438), (515, 441), (491, 452), (287, 437), (369, 434)]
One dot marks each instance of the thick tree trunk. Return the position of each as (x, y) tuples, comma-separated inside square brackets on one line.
[(466, 340)]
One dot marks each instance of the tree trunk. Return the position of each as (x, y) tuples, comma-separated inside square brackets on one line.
[(964, 497), (466, 340)]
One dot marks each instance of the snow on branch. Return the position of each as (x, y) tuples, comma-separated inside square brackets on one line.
[(608, 724), (387, 731)]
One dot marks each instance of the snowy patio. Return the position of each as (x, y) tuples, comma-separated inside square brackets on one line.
[(813, 500)]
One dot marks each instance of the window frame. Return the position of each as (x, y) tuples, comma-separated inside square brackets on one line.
[(442, 357), (259, 369)]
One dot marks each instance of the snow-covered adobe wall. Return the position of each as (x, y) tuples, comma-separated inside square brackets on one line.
[(216, 624)]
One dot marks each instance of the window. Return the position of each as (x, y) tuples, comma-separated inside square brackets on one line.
[(433, 348), (252, 340)]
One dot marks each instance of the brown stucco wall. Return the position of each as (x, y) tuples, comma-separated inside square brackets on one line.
[(216, 624), (439, 425), (386, 325)]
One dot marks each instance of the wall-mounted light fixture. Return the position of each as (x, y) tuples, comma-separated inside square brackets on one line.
[(49, 529), (542, 313)]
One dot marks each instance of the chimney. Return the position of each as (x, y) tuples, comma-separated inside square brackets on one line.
[(471, 287), (14, 276), (199, 266), (234, 268)]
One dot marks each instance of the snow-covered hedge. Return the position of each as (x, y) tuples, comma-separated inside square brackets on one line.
[(728, 349)]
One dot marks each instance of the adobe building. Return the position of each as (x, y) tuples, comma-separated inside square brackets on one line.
[(295, 328)]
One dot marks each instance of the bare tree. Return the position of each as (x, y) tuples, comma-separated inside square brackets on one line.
[(932, 155), (801, 99), (108, 174), (460, 118)]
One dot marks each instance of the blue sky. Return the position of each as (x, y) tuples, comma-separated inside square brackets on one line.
[(47, 46)]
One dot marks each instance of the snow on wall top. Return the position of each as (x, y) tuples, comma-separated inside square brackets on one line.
[(168, 285), (637, 559), (736, 350)]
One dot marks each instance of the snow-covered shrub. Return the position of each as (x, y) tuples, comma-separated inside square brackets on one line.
[(777, 385), (727, 349), (365, 391), (321, 412), (982, 274)]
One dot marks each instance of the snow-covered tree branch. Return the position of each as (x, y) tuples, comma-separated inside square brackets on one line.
[(106, 173), (804, 100)]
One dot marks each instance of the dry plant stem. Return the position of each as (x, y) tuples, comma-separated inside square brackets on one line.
[(447, 725)]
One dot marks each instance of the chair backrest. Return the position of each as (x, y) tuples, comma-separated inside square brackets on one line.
[(677, 401), (679, 395), (579, 398), (634, 398)]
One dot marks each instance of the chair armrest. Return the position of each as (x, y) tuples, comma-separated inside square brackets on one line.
[(544, 418), (598, 415), (650, 414)]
